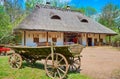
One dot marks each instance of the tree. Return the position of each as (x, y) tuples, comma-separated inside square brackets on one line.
[(109, 13), (30, 4), (2, 9), (90, 11), (13, 9), (5, 27), (85, 10), (10, 16)]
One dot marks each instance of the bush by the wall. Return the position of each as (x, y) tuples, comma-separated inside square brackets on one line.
[(116, 41)]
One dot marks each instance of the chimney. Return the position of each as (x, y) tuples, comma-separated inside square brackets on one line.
[(68, 7)]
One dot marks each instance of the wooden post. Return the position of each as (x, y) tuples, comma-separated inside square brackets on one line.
[(86, 39), (52, 52), (47, 39), (109, 40), (24, 38), (77, 38), (99, 39)]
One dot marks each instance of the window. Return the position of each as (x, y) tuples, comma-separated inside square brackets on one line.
[(101, 40), (84, 20), (35, 40), (54, 39), (56, 17)]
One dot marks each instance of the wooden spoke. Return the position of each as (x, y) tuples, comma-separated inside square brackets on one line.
[(56, 68), (75, 65), (60, 61), (61, 70), (59, 73), (63, 65), (55, 74), (15, 61), (56, 57)]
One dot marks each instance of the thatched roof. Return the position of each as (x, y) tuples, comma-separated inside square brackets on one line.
[(66, 21)]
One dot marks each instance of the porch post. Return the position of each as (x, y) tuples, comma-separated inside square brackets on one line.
[(24, 38), (77, 38), (109, 40), (47, 39), (99, 39), (86, 39)]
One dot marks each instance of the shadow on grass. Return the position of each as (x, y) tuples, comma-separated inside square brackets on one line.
[(36, 65), (41, 66)]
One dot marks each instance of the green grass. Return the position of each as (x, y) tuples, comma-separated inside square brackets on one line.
[(29, 72)]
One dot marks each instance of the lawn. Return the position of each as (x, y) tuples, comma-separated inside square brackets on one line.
[(29, 71)]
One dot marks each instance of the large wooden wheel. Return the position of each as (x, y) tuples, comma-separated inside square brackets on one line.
[(75, 64), (15, 61), (58, 68)]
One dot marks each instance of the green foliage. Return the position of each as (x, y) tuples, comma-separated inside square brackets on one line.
[(90, 11), (54, 3), (1, 9), (109, 13), (116, 40), (28, 71), (14, 10), (10, 16), (5, 27), (85, 10), (81, 10), (30, 4)]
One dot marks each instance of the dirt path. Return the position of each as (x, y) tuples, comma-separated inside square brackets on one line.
[(100, 62)]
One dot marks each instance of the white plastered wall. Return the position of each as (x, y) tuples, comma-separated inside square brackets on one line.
[(93, 36), (42, 37)]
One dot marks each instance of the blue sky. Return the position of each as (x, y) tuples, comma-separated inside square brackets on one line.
[(97, 4)]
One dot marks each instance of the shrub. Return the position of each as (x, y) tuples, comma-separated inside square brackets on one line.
[(116, 40)]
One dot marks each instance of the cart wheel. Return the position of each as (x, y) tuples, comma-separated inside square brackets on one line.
[(75, 64), (15, 61), (58, 68)]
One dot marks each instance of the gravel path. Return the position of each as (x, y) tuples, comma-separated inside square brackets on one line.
[(100, 62)]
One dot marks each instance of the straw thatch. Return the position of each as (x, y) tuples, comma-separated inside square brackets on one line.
[(68, 21)]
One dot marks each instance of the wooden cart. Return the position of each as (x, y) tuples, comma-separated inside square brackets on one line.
[(58, 59)]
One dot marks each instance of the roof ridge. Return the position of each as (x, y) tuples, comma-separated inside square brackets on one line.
[(52, 7)]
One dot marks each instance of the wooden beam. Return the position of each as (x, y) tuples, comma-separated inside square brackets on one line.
[(24, 38)]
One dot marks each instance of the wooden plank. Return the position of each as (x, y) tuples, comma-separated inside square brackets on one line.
[(46, 50)]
